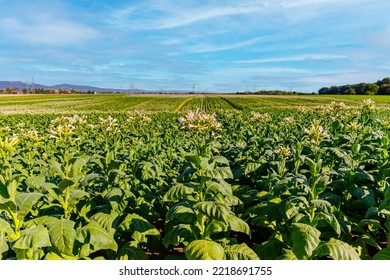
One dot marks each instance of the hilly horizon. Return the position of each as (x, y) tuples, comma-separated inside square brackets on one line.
[(65, 86)]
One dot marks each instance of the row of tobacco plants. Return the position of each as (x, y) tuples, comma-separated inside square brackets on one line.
[(293, 184)]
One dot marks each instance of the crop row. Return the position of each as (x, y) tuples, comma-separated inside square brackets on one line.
[(121, 103), (307, 184)]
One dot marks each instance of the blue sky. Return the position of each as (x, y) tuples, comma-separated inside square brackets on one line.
[(218, 45)]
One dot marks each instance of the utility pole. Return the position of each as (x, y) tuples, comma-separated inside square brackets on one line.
[(131, 87), (32, 85)]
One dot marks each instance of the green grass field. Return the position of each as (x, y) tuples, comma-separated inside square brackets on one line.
[(72, 104)]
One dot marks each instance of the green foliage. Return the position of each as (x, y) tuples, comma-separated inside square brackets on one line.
[(204, 250), (370, 89)]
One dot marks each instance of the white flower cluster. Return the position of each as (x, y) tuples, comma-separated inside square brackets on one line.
[(110, 124), (316, 131), (288, 120), (199, 121), (64, 127), (355, 126), (30, 135), (5, 129), (368, 105), (283, 152), (73, 120), (264, 118), (138, 117), (337, 106)]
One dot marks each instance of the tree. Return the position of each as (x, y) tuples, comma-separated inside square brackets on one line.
[(370, 89), (384, 89), (383, 82), (350, 91)]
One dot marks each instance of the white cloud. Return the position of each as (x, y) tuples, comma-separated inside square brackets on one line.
[(48, 31)]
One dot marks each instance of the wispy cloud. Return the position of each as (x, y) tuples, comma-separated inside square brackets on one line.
[(294, 58), (207, 14), (203, 48), (169, 15), (240, 72)]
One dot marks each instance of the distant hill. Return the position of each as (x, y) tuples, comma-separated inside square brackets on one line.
[(82, 88)]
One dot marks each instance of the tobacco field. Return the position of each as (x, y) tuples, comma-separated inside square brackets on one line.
[(203, 183)]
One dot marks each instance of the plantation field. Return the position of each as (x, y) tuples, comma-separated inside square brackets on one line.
[(194, 177), (84, 104)]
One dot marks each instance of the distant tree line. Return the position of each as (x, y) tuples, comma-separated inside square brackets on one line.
[(381, 87), (269, 92)]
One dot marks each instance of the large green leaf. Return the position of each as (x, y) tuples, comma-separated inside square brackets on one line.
[(238, 224), (33, 238), (35, 182), (204, 250), (215, 227), (198, 162), (178, 192), (181, 211), (383, 254), (77, 165), (218, 188), (116, 198), (12, 188), (305, 240), (25, 202), (62, 235), (96, 236), (57, 256), (57, 167), (240, 252), (55, 193), (106, 221), (330, 219), (251, 167), (322, 206), (3, 244), (8, 206), (213, 210), (220, 173), (130, 252), (227, 199), (270, 249), (6, 228), (287, 255), (337, 250), (373, 225), (181, 233), (66, 183), (75, 196), (365, 196), (139, 226), (220, 159)]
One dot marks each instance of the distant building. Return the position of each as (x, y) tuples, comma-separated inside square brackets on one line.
[(12, 91)]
